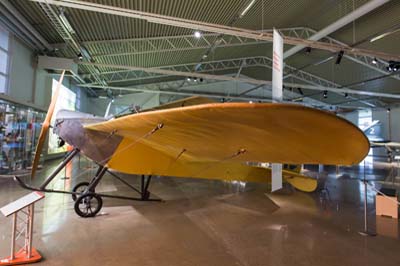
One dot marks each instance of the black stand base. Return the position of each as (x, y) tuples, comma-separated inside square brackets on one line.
[(366, 233)]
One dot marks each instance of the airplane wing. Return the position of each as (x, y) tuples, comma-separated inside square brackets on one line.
[(147, 160), (217, 141), (194, 100)]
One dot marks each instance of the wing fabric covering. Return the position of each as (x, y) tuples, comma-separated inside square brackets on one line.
[(216, 140), (194, 100)]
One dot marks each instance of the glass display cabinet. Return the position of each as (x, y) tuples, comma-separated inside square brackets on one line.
[(19, 130)]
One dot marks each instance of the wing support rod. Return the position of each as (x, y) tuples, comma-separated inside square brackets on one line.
[(50, 178), (143, 192)]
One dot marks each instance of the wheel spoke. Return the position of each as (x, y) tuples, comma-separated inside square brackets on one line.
[(88, 205)]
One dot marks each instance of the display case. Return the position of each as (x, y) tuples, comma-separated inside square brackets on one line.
[(19, 131)]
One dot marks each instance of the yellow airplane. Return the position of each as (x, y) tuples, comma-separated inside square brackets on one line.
[(198, 139)]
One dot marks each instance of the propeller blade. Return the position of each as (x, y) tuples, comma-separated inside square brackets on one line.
[(46, 126)]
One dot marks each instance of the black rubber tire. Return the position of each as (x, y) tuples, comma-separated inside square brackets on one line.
[(80, 187), (88, 205)]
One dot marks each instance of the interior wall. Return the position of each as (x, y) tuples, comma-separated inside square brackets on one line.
[(31, 86), (383, 117), (351, 116), (22, 72), (389, 131)]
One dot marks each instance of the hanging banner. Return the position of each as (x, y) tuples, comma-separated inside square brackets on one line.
[(277, 67), (277, 96)]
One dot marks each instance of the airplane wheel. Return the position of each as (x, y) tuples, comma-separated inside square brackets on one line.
[(79, 188), (88, 205)]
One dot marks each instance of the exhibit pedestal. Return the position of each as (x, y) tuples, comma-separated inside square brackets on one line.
[(22, 211), (20, 257)]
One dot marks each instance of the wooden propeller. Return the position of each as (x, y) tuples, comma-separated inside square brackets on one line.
[(46, 126)]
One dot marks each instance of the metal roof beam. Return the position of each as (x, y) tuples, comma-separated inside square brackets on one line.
[(163, 88), (171, 44), (170, 72), (359, 12), (188, 89), (209, 27), (338, 89), (229, 64), (379, 66), (27, 28), (235, 64)]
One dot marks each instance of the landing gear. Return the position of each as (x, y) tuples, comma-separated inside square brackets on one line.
[(144, 192), (79, 189), (88, 205), (87, 202)]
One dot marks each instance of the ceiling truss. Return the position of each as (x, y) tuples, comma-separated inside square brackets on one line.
[(218, 66), (141, 46), (215, 28)]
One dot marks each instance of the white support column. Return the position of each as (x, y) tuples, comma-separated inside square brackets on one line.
[(277, 96), (277, 68)]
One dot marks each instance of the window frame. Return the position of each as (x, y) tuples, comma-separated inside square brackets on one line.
[(8, 64)]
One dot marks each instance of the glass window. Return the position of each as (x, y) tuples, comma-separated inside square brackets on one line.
[(4, 59), (4, 37), (3, 62), (3, 84)]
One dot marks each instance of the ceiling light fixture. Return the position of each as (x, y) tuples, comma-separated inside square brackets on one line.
[(80, 56), (384, 35), (197, 34), (393, 66), (247, 8), (339, 57), (374, 61), (325, 94)]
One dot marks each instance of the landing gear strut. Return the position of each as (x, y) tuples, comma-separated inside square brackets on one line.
[(87, 202)]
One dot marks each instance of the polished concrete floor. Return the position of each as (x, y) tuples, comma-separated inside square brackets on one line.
[(214, 223)]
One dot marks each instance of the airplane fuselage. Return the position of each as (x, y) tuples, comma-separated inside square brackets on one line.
[(98, 146)]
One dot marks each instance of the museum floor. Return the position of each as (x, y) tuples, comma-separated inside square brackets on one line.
[(213, 223)]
